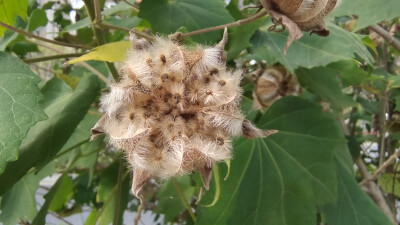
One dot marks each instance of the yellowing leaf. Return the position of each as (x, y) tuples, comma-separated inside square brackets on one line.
[(111, 52)]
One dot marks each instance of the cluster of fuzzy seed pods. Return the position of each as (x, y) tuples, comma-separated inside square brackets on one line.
[(174, 110), (300, 15)]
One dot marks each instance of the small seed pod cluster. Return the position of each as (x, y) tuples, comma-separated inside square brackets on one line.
[(174, 110), (271, 84), (300, 15)]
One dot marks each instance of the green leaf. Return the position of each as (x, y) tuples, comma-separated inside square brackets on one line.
[(55, 199), (394, 82), (169, 202), (280, 179), (350, 72), (37, 19), (369, 11), (19, 203), (389, 183), (107, 193), (168, 16), (353, 206), (65, 108), (10, 9), (311, 51), (11, 36), (111, 52), (323, 82), (19, 95), (239, 37)]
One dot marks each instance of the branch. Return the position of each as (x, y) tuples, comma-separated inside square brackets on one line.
[(42, 38), (373, 190), (138, 33), (180, 35), (46, 58), (94, 13), (386, 35), (382, 168), (84, 64), (138, 213)]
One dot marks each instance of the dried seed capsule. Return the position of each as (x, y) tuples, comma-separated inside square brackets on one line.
[(178, 123)]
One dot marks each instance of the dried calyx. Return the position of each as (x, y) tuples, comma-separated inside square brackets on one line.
[(271, 84), (174, 110), (300, 15)]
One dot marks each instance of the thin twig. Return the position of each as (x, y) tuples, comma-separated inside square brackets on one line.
[(131, 5), (184, 200), (84, 64), (386, 35), (138, 213), (372, 189), (95, 72), (382, 168), (51, 57), (94, 13), (138, 33), (60, 218), (42, 38), (220, 27)]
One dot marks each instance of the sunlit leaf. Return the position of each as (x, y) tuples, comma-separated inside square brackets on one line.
[(111, 52), (10, 9)]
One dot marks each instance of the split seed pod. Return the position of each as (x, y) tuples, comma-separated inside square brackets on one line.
[(174, 110), (271, 84), (300, 15)]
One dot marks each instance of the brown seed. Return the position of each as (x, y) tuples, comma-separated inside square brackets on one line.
[(167, 96), (208, 92), (177, 98), (220, 141), (213, 71), (221, 83), (164, 77), (131, 116), (207, 80), (163, 59)]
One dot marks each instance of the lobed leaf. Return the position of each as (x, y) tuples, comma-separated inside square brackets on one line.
[(65, 108), (20, 110), (280, 179), (168, 16), (310, 51)]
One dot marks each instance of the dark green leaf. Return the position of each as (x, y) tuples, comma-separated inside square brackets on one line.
[(323, 81), (108, 194), (65, 109), (168, 16), (369, 11), (19, 95), (55, 198), (353, 206), (280, 179), (19, 203), (311, 51), (37, 19)]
